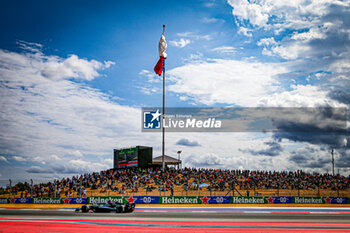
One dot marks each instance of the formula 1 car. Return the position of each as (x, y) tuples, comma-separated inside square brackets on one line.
[(107, 208)]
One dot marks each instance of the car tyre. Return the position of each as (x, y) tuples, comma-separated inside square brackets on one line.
[(84, 209)]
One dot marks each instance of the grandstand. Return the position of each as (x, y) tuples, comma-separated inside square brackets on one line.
[(188, 182)]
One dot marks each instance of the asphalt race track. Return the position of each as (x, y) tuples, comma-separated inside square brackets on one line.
[(149, 219)]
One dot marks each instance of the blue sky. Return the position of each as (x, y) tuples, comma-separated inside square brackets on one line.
[(126, 32), (74, 75)]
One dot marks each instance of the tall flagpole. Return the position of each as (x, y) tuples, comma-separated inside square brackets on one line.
[(163, 112)]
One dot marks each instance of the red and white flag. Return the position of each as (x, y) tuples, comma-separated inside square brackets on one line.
[(162, 55)]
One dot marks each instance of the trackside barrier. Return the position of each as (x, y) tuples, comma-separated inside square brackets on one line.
[(181, 200)]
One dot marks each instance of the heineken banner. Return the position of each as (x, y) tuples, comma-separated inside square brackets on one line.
[(321, 200), (146, 199), (263, 200), (308, 200), (51, 200), (216, 200), (248, 200), (22, 200), (336, 200), (3, 200), (121, 200), (78, 200), (100, 200), (195, 200), (181, 200), (280, 200)]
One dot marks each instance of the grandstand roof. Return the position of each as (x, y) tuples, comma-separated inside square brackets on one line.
[(168, 160)]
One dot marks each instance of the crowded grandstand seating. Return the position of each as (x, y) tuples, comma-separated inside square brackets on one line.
[(189, 182)]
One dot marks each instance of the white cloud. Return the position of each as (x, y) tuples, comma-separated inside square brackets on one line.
[(291, 51), (313, 33), (77, 153), (205, 37), (108, 161), (253, 12), (54, 158), (230, 155), (148, 89), (148, 74), (304, 22), (224, 49), (37, 169), (225, 81), (29, 46), (212, 20), (181, 43), (19, 158), (72, 67), (39, 159), (266, 41), (245, 31), (194, 57), (185, 34), (74, 166), (298, 45), (341, 65), (209, 4), (267, 52), (82, 166), (183, 98), (300, 96), (282, 14), (2, 158), (194, 36), (41, 115), (313, 36)]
